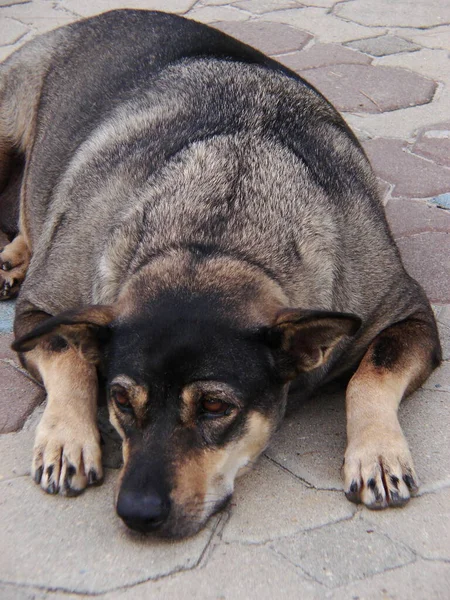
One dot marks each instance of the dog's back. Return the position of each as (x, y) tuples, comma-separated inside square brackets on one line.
[(245, 159)]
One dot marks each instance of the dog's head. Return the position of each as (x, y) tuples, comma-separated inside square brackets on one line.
[(194, 394)]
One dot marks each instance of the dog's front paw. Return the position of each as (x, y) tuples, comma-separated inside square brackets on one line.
[(66, 455), (378, 469)]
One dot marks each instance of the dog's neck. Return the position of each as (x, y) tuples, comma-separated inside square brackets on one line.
[(243, 290)]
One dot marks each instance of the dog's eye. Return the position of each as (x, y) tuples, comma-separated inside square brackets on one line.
[(213, 407), (121, 399)]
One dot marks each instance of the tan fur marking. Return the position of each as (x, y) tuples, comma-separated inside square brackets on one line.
[(67, 435), (378, 466), (209, 474), (258, 297)]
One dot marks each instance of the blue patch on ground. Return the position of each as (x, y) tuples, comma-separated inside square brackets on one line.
[(443, 201), (7, 309)]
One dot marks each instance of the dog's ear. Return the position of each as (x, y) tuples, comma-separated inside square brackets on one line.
[(303, 340), (87, 330)]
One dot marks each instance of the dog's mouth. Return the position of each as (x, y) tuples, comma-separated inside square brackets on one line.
[(150, 514)]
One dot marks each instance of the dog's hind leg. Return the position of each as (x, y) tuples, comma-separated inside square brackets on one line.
[(22, 76), (14, 261), (378, 467)]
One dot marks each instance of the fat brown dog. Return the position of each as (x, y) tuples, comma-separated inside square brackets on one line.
[(199, 226)]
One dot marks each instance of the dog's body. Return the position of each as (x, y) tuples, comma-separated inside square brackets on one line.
[(196, 191)]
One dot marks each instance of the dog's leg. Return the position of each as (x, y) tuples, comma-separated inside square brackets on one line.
[(60, 351), (14, 261), (66, 455), (378, 467)]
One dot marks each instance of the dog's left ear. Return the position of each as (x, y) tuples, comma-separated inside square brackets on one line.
[(303, 340), (86, 330)]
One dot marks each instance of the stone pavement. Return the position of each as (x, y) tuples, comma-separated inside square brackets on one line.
[(290, 532)]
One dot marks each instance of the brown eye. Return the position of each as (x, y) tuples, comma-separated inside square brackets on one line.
[(215, 408), (120, 398)]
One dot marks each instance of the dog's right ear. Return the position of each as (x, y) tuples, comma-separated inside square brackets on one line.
[(86, 330)]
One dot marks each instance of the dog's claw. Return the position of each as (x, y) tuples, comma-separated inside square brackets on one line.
[(38, 475), (94, 478), (6, 266)]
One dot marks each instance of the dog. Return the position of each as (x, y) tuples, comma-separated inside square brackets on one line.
[(199, 227)]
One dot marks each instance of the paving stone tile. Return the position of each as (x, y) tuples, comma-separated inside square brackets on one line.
[(11, 2), (432, 64), (16, 452), (383, 45), (211, 2), (426, 258), (425, 418), (79, 544), (318, 3), (415, 216), (86, 8), (40, 15), (262, 6), (442, 312), (442, 201), (271, 38), (210, 14), (437, 37), (444, 334), (402, 123), (321, 55), (18, 397), (372, 89), (7, 311), (14, 592), (11, 31), (411, 175), (423, 524), (420, 580), (356, 552), (5, 347), (402, 13), (233, 572), (270, 503), (311, 441), (434, 143), (322, 24), (439, 381)]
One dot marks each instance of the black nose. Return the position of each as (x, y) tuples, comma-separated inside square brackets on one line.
[(142, 511)]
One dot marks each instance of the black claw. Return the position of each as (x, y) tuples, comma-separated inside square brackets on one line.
[(353, 487), (70, 472), (411, 484), (70, 492), (38, 474), (394, 480), (52, 488), (352, 493), (372, 484), (397, 500), (49, 471), (93, 478), (6, 266)]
